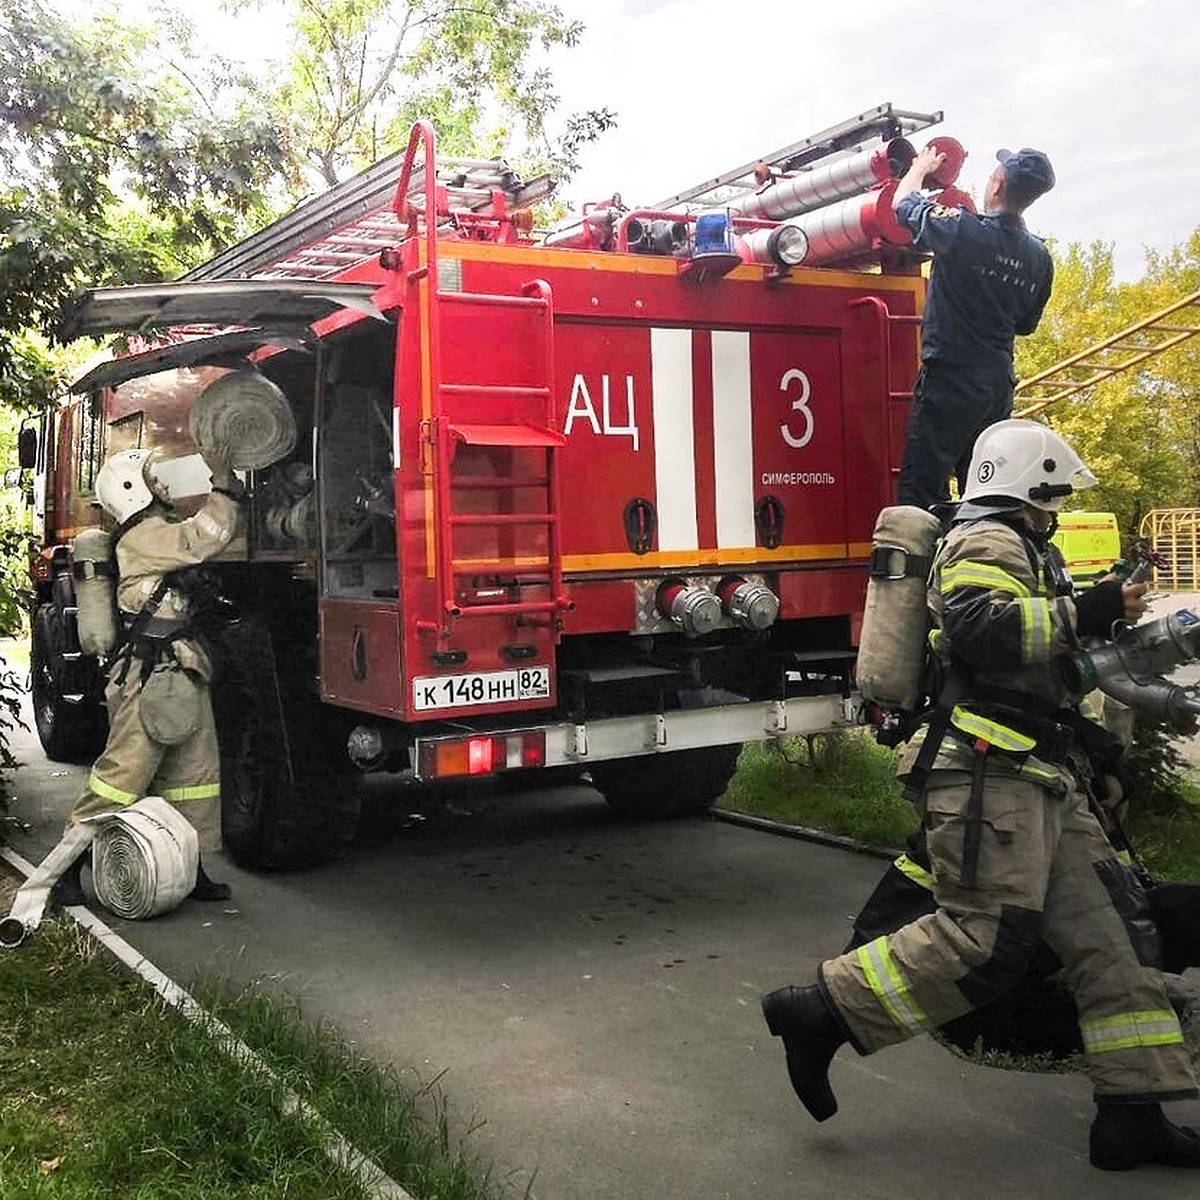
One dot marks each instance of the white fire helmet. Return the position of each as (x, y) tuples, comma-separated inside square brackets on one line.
[(122, 486), (1025, 461)]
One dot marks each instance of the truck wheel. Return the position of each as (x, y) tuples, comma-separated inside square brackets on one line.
[(286, 799), (70, 730), (657, 786)]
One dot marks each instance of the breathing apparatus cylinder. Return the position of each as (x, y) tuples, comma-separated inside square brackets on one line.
[(891, 653), (95, 592)]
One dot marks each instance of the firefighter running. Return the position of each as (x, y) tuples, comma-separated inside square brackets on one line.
[(162, 739), (999, 769)]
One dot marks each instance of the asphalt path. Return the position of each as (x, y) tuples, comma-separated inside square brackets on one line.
[(585, 992)]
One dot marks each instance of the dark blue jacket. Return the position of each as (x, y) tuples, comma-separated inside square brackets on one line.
[(991, 279)]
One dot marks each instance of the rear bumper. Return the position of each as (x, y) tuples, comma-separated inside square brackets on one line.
[(571, 744)]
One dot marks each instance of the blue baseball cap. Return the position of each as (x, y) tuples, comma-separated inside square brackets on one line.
[(1027, 170)]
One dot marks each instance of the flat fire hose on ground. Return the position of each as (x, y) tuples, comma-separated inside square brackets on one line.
[(143, 863)]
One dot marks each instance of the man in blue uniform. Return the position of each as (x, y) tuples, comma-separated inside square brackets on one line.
[(991, 279)]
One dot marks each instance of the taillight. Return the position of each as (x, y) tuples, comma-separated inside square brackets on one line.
[(483, 754)]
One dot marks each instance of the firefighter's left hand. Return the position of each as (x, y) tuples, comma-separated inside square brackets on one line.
[(1134, 596), (218, 458)]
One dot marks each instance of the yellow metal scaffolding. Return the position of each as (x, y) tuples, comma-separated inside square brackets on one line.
[(1175, 533), (1162, 331)]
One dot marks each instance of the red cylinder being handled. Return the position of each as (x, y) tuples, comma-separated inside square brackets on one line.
[(955, 156), (825, 185)]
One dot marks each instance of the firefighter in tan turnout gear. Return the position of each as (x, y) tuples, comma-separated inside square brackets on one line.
[(999, 769), (162, 738)]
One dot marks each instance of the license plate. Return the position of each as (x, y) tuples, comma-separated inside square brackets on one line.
[(485, 687)]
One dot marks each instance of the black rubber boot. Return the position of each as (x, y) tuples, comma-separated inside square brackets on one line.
[(206, 889), (68, 888), (1125, 1136), (811, 1036)]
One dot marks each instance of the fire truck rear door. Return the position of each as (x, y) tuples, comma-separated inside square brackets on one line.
[(224, 303), (218, 350)]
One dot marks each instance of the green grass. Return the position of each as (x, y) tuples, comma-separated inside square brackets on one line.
[(841, 783), (109, 1092), (844, 784), (1170, 841)]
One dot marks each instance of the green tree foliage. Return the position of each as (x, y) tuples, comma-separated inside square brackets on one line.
[(1138, 431), (1170, 277), (120, 166), (130, 156), (358, 73)]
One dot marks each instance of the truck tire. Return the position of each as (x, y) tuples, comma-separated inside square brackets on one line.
[(287, 800), (654, 787), (70, 730)]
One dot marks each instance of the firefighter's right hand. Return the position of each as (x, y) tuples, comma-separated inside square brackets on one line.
[(928, 160)]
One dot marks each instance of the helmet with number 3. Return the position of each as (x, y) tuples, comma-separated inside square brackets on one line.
[(1027, 462)]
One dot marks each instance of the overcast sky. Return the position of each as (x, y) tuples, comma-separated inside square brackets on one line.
[(1107, 88)]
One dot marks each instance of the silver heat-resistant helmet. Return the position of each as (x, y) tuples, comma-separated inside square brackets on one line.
[(121, 485), (1025, 461)]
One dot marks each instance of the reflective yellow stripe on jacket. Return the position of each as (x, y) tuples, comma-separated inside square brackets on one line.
[(982, 575), (1037, 632), (107, 792), (1037, 619), (203, 791)]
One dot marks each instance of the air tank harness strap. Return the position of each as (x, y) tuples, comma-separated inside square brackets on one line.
[(894, 562), (917, 782), (147, 639), (86, 569), (999, 730), (973, 831)]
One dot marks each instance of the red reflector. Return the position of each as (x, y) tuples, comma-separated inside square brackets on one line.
[(480, 756), (533, 752)]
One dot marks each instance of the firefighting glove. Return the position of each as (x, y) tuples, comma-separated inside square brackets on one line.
[(1099, 608)]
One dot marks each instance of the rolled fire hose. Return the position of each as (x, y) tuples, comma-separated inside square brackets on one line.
[(247, 414), (144, 861)]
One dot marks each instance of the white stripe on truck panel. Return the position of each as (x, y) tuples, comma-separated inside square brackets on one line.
[(733, 435), (674, 437)]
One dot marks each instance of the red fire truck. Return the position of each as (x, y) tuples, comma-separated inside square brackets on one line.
[(600, 499)]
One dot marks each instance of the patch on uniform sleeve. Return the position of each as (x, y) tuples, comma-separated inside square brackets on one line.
[(940, 212)]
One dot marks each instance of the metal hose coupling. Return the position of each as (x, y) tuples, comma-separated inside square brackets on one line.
[(1130, 668), (12, 933)]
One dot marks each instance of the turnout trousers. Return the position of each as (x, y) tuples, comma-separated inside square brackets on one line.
[(132, 765), (1045, 871), (952, 406)]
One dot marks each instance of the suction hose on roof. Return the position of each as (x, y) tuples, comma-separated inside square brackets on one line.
[(143, 863)]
